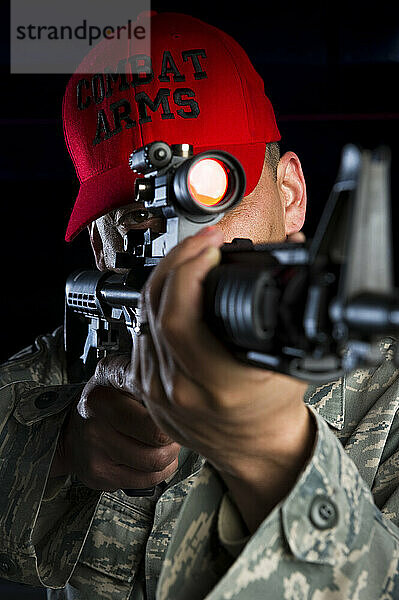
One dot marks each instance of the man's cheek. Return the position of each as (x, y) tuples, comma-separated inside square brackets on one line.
[(112, 243), (235, 224), (243, 222)]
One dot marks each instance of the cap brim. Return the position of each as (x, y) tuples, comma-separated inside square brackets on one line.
[(115, 187), (100, 194)]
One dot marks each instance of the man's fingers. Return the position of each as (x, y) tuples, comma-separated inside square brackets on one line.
[(116, 371), (296, 238), (129, 416), (132, 479), (154, 361), (181, 300), (110, 477), (180, 327), (123, 413), (189, 248), (126, 451)]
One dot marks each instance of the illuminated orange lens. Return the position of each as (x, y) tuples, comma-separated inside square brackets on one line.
[(207, 181)]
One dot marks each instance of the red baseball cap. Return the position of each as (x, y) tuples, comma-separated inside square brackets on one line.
[(197, 87)]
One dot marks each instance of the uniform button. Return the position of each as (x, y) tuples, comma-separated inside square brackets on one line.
[(7, 566), (46, 399), (323, 513)]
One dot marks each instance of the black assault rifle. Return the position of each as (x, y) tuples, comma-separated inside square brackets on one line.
[(313, 310)]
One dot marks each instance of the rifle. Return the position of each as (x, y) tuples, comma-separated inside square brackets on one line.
[(313, 311)]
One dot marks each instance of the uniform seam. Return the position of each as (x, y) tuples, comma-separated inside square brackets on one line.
[(128, 507)]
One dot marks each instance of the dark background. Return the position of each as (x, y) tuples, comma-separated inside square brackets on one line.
[(331, 73)]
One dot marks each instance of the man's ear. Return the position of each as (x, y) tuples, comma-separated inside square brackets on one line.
[(97, 245), (292, 189)]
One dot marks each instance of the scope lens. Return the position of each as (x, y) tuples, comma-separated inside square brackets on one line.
[(208, 181), (208, 184)]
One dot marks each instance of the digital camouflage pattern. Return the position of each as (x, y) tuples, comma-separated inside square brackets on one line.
[(327, 540), (94, 541)]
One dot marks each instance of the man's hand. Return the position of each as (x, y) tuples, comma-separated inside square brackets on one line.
[(110, 440), (251, 424)]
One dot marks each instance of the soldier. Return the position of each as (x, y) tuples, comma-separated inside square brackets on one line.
[(275, 507)]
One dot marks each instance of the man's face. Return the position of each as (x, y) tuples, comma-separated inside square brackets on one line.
[(274, 209)]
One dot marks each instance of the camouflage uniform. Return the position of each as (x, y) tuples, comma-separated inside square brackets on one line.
[(326, 540)]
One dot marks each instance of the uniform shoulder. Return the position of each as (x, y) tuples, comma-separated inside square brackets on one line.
[(43, 361)]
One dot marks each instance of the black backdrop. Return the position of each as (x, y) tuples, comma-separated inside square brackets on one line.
[(330, 74)]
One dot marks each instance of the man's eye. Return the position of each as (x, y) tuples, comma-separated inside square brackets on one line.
[(134, 218), (144, 215)]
